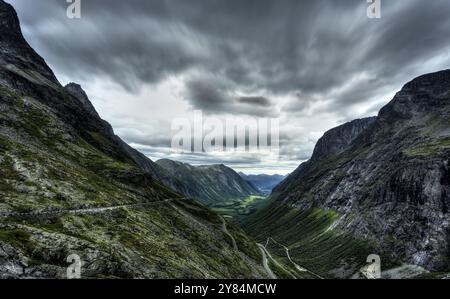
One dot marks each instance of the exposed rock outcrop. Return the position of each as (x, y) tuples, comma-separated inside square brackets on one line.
[(333, 142)]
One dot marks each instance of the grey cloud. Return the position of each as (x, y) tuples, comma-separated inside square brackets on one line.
[(206, 95), (257, 101), (258, 48), (216, 96), (280, 46), (300, 103), (147, 140)]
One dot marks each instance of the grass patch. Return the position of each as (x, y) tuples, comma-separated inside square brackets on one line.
[(4, 143), (239, 208), (16, 238), (5, 92), (7, 169), (430, 148)]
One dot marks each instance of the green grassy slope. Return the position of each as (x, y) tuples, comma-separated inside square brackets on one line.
[(239, 209), (311, 241)]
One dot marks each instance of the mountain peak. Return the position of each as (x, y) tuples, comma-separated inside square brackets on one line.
[(14, 49), (441, 78), (77, 91), (423, 96), (338, 139), (9, 21)]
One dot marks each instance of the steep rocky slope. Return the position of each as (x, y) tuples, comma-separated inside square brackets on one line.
[(209, 184), (333, 142), (387, 185), (68, 185)]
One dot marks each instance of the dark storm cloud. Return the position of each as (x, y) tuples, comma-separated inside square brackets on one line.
[(257, 101), (277, 46), (212, 95), (207, 95)]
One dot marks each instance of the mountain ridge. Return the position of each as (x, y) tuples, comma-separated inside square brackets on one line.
[(210, 184)]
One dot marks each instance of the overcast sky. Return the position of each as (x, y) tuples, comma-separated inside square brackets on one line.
[(312, 64)]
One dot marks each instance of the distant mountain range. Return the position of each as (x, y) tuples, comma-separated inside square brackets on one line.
[(263, 182), (210, 185), (379, 185)]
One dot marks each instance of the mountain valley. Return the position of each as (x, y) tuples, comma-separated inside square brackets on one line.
[(70, 186)]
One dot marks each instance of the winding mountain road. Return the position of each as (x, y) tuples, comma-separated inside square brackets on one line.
[(266, 262), (93, 210), (226, 232), (288, 271), (298, 267)]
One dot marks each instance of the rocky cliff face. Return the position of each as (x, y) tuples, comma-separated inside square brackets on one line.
[(338, 139), (68, 185), (388, 179), (332, 143), (209, 184)]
